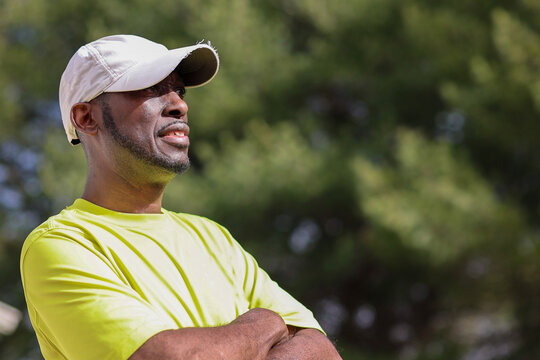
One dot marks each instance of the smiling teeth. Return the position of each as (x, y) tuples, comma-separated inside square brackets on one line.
[(177, 133)]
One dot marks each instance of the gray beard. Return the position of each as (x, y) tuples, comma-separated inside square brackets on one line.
[(136, 149)]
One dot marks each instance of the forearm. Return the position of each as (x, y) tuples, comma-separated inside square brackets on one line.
[(250, 336), (306, 344)]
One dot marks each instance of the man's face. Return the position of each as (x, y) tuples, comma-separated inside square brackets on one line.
[(150, 124)]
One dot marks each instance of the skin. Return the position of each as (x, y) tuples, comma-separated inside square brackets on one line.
[(133, 153)]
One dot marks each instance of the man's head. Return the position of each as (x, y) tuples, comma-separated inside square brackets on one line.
[(121, 63), (124, 94)]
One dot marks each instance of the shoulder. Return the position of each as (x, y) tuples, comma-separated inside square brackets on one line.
[(54, 224), (200, 223), (208, 231), (50, 233)]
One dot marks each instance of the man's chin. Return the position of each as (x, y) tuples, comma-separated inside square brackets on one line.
[(176, 167), (182, 169)]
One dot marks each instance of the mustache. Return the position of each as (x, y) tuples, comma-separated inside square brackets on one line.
[(171, 123)]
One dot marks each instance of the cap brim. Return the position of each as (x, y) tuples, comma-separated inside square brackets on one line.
[(198, 65)]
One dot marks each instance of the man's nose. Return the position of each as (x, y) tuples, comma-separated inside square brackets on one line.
[(176, 106)]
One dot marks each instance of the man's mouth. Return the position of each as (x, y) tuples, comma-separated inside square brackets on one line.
[(175, 134)]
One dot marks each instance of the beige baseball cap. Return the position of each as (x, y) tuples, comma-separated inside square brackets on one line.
[(120, 63)]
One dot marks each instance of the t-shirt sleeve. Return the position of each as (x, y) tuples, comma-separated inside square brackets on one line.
[(262, 292), (74, 295)]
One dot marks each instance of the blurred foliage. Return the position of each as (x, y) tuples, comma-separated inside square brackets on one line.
[(433, 201), (376, 156)]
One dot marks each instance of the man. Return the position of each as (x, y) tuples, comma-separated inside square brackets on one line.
[(116, 276)]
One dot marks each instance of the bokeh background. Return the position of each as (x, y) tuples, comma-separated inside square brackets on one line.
[(379, 158)]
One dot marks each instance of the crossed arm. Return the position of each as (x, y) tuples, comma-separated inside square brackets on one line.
[(259, 334)]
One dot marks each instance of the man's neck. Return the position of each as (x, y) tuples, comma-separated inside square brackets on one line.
[(122, 195)]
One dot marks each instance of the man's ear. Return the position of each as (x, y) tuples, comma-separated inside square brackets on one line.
[(83, 120)]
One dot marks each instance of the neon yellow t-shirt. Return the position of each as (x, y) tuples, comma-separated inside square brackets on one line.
[(99, 283)]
